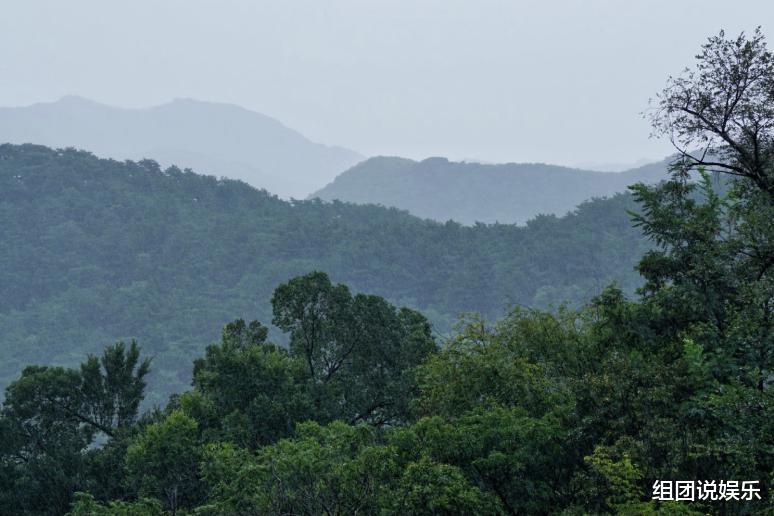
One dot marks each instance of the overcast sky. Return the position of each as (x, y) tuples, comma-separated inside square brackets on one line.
[(552, 81)]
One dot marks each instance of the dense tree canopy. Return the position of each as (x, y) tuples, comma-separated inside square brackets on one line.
[(96, 251)]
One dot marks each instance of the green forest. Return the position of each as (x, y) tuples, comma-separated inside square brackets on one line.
[(96, 251), (353, 403)]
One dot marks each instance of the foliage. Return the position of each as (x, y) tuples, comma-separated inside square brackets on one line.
[(86, 505), (51, 415), (570, 412), (162, 462), (360, 351), (723, 106), (246, 390), (95, 251)]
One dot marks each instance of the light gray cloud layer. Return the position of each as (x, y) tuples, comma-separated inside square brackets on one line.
[(554, 81)]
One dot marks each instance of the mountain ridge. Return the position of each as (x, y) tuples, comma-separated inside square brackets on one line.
[(99, 250), (467, 192), (217, 138)]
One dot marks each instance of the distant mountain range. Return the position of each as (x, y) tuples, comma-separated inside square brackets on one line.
[(225, 140), (476, 192), (212, 138)]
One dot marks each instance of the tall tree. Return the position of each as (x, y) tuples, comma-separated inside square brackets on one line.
[(725, 107), (246, 390), (708, 300), (360, 351), (162, 462), (50, 417), (113, 386), (716, 254)]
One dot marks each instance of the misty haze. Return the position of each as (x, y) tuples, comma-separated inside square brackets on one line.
[(390, 257)]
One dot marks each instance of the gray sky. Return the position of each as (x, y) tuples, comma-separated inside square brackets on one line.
[(554, 81)]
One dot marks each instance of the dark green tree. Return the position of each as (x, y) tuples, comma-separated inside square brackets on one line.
[(360, 351), (246, 390), (113, 386), (162, 462), (50, 417)]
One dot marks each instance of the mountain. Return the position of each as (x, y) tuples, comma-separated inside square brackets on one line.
[(219, 139), (604, 166), (475, 192), (96, 250)]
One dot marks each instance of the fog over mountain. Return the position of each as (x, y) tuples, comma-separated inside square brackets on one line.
[(537, 276), (213, 138), (226, 140), (467, 192), (552, 82)]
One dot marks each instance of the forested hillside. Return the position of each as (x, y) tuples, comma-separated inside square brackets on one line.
[(95, 250), (438, 189)]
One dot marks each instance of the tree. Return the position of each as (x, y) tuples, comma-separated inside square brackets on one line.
[(707, 309), (86, 505), (332, 469), (41, 442), (51, 415), (716, 254), (360, 351), (317, 315), (485, 367), (162, 462), (246, 390), (103, 396), (433, 489), (725, 106), (113, 386)]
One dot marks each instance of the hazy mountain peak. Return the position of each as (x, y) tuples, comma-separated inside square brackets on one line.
[(435, 161), (440, 189), (75, 100), (211, 137), (614, 167), (69, 102)]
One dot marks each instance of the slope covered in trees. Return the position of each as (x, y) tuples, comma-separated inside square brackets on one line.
[(97, 250), (473, 192)]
